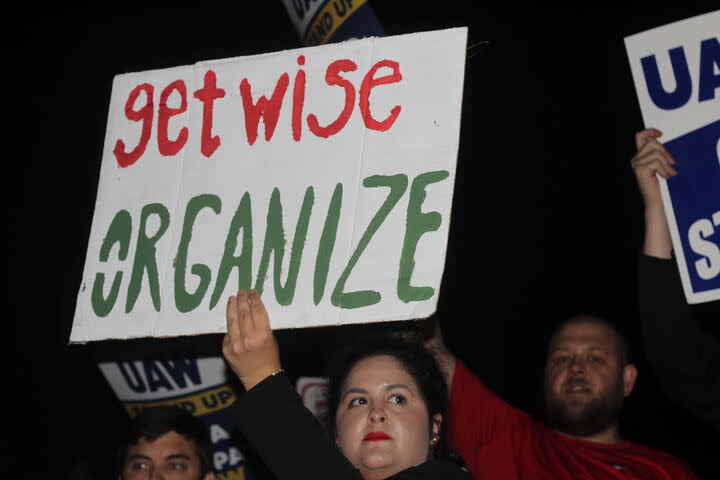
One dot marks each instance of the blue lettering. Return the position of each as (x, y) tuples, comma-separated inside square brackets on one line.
[(340, 8), (324, 25), (134, 381), (155, 378), (709, 61), (208, 403), (225, 395), (189, 406), (179, 370), (683, 83)]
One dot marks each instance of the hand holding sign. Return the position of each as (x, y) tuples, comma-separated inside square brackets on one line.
[(674, 72), (651, 160), (250, 346), (209, 186)]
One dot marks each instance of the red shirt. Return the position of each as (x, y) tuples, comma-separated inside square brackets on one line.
[(498, 441)]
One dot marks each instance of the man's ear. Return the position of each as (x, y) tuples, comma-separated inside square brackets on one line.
[(629, 377)]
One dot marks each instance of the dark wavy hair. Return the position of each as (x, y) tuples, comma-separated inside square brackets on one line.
[(154, 422), (415, 359)]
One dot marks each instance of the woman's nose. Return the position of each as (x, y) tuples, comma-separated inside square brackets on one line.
[(377, 415)]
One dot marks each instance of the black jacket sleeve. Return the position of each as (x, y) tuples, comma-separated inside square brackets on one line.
[(687, 360), (290, 440)]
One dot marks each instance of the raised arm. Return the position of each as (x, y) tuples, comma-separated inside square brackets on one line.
[(687, 360), (250, 346), (445, 359), (653, 159), (477, 415), (271, 414)]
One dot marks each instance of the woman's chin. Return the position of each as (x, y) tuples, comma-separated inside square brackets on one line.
[(376, 460)]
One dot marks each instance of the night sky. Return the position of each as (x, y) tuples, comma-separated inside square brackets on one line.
[(546, 222)]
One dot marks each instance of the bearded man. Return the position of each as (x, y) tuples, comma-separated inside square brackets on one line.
[(587, 377)]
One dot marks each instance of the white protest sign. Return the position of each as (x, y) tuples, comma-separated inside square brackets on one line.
[(322, 177), (676, 70)]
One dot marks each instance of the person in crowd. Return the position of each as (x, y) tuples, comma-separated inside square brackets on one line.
[(587, 377), (166, 442), (386, 405), (686, 359)]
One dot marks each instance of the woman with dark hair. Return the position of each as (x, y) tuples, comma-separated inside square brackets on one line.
[(386, 405)]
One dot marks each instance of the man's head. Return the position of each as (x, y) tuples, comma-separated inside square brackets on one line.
[(166, 442), (587, 376)]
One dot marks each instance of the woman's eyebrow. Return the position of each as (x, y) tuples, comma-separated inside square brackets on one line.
[(354, 390), (392, 386), (398, 385)]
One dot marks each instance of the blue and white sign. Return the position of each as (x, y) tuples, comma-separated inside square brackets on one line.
[(676, 70), (199, 385)]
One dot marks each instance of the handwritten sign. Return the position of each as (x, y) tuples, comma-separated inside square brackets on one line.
[(322, 177), (676, 69)]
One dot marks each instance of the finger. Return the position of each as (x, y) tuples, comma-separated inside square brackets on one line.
[(233, 325), (654, 163), (655, 155), (243, 311), (642, 137), (665, 171), (653, 144), (259, 313), (649, 159)]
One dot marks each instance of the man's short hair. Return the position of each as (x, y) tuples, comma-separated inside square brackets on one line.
[(621, 342), (154, 422)]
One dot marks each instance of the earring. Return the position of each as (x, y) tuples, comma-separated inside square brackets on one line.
[(435, 439)]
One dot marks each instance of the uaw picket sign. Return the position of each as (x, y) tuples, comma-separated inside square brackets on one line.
[(199, 385), (327, 21), (322, 177), (676, 70)]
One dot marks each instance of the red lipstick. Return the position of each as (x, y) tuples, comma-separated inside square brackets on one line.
[(376, 437)]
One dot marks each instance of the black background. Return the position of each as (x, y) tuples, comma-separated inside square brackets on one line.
[(546, 217)]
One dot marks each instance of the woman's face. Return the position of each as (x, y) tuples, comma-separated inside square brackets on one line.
[(382, 420)]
